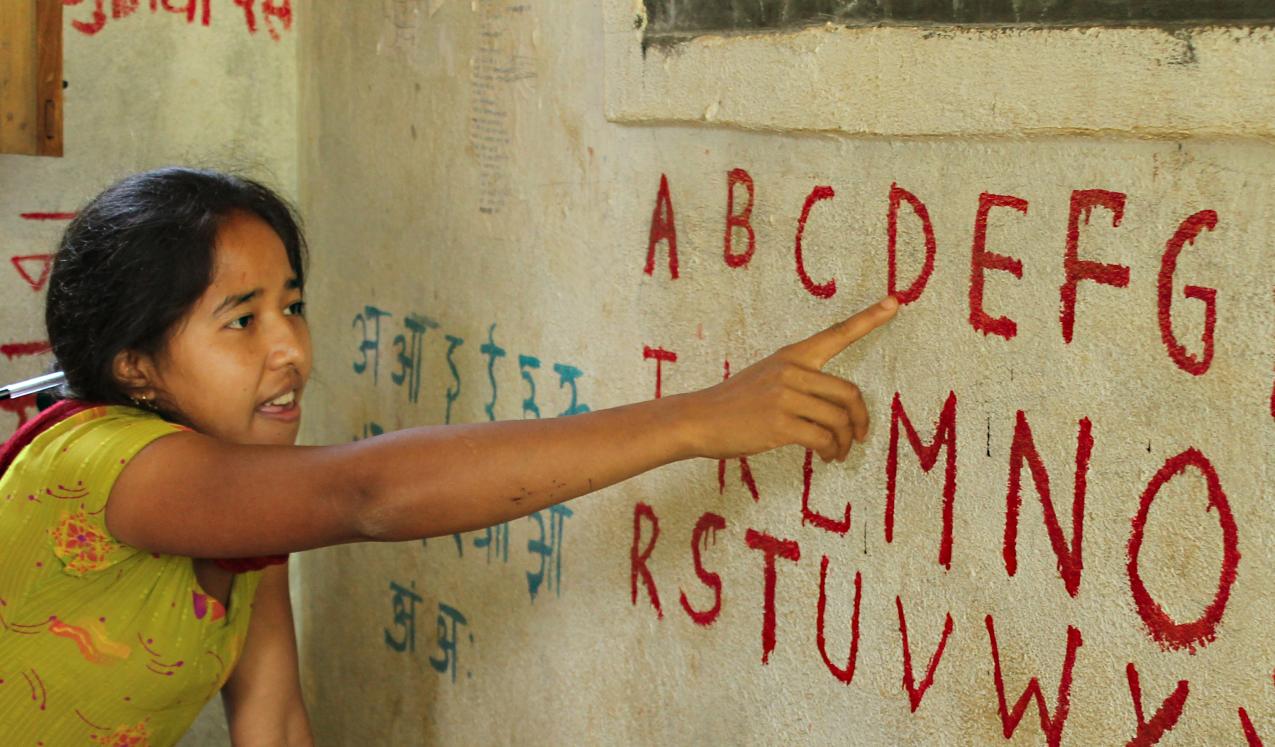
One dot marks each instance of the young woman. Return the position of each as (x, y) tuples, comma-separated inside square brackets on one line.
[(146, 516)]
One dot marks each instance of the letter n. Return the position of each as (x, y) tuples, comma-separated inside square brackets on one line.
[(1023, 449)]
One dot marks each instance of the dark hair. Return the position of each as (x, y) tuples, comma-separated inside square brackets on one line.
[(136, 258)]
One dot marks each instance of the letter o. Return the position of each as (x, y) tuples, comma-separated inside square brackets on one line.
[(1164, 629)]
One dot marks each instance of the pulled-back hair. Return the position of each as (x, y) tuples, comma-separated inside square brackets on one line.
[(136, 258)]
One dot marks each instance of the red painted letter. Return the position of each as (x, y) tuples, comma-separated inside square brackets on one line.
[(705, 528), (1186, 234), (283, 12), (827, 523), (742, 220), (191, 7), (1250, 732), (1023, 449), (1166, 716), (637, 560), (824, 290), (1052, 727), (944, 437), (270, 11), (663, 227), (99, 18), (1083, 201), (745, 473), (772, 547), (981, 259), (660, 355), (1167, 632), (897, 196), (845, 675), (120, 8), (915, 692)]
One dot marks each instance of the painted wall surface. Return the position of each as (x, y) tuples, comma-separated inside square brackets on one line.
[(1058, 532), (212, 83)]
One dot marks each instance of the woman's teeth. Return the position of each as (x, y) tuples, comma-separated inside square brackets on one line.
[(284, 400)]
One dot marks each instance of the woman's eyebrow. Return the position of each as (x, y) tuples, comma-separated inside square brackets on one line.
[(233, 300)]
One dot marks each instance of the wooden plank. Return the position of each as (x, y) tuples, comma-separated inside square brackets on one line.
[(18, 120), (49, 77)]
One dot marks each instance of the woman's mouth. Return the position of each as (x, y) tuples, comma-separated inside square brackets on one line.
[(284, 407)]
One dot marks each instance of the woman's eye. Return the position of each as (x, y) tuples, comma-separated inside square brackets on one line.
[(297, 309), (240, 322)]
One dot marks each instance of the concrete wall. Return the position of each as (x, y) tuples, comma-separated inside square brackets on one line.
[(482, 182), (482, 179), (146, 88)]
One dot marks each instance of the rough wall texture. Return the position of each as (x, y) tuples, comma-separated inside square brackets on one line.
[(145, 88), (1085, 369)]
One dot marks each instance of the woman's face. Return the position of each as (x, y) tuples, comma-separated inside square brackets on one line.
[(237, 363)]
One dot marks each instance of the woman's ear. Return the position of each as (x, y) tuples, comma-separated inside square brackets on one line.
[(136, 373)]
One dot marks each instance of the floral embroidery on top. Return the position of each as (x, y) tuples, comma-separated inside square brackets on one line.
[(94, 643), (78, 544), (125, 736), (203, 603)]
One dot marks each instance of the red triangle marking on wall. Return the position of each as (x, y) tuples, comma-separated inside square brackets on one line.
[(41, 262)]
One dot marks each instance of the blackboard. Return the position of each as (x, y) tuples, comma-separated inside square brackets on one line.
[(675, 17)]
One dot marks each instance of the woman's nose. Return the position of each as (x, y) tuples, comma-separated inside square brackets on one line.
[(289, 345)]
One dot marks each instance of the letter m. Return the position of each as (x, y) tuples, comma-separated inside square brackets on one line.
[(944, 438)]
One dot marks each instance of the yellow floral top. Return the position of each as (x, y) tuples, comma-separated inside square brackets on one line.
[(100, 643)]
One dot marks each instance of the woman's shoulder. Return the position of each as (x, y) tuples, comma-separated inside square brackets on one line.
[(66, 474), (108, 419), (95, 432)]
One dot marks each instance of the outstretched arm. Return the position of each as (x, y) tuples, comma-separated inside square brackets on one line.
[(192, 495)]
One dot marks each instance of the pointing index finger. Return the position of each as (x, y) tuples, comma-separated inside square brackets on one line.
[(822, 347)]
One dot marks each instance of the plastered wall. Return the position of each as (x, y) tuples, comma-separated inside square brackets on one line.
[(1059, 530), (204, 83)]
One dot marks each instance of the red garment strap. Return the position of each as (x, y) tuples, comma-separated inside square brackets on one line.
[(60, 411), (243, 565), (64, 409)]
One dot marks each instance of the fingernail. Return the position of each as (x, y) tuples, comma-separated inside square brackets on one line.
[(889, 303)]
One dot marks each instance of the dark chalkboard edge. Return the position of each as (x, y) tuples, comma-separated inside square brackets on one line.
[(1147, 133), (668, 40)]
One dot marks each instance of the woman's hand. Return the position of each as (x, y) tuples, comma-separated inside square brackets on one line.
[(786, 399)]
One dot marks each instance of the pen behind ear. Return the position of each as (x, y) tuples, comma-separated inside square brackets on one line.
[(32, 386)]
